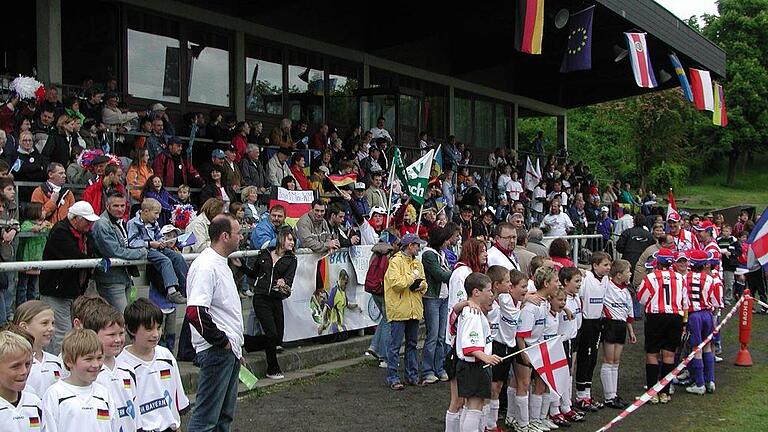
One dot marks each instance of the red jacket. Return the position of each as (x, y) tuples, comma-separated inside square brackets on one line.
[(300, 177), (241, 146), (93, 195), (163, 167)]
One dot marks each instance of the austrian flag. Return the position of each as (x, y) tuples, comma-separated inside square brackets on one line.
[(550, 363), (640, 59)]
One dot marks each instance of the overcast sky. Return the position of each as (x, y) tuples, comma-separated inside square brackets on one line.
[(684, 9)]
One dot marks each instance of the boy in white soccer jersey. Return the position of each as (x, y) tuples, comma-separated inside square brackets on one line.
[(159, 393), (117, 376), (20, 410), (618, 313), (530, 330), (518, 289), (78, 403), (551, 417), (474, 349), (570, 279)]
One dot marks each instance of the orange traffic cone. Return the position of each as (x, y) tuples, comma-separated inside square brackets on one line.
[(744, 358)]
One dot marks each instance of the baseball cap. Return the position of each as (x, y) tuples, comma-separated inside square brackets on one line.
[(158, 107), (84, 210), (100, 159), (604, 209), (377, 210), (218, 154), (324, 169), (359, 185), (674, 217), (169, 228), (411, 238), (703, 226), (665, 256)]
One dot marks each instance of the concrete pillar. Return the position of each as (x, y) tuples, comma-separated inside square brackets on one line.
[(48, 24), (451, 111), (366, 73), (239, 87), (562, 132), (514, 130)]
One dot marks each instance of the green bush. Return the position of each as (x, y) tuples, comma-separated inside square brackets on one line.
[(668, 175)]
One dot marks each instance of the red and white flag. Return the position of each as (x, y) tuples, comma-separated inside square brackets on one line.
[(550, 363), (641, 60), (701, 86), (672, 208), (758, 243)]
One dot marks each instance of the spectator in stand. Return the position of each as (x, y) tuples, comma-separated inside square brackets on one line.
[(423, 144), (96, 193), (536, 243), (449, 191), (609, 196), (31, 166), (556, 223), (634, 241), (320, 139), (336, 216), (289, 183), (484, 227), (265, 233), (159, 111), (298, 162), (112, 116), (92, 104), (217, 187), (110, 236), (578, 216), (138, 173), (252, 171), (325, 159), (55, 199), (375, 195), (339, 154), (72, 107), (215, 130), (31, 249), (300, 135), (524, 256), (354, 138), (240, 140), (199, 225), (370, 165), (277, 168), (313, 231), (359, 202), (503, 250), (8, 113), (257, 134), (52, 101), (59, 146), (68, 239), (380, 132), (194, 123), (604, 224), (153, 188), (319, 180), (249, 196), (281, 135), (157, 142), (216, 159), (505, 176), (231, 169), (559, 253), (174, 168), (438, 274), (43, 128), (738, 228), (382, 143)]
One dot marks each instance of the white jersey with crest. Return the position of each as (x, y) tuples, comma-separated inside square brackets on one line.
[(569, 328), (617, 304), (473, 334), (592, 292), (26, 415), (45, 373), (551, 325), (121, 384), (532, 320), (503, 317), (69, 408)]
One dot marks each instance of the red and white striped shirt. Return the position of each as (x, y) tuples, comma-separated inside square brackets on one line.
[(685, 241), (700, 286), (663, 291), (617, 303), (716, 299)]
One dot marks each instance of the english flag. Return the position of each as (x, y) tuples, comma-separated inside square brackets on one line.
[(701, 85), (550, 363), (641, 60), (672, 207), (758, 243)]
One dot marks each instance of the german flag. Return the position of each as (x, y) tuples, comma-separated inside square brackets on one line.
[(127, 383), (322, 277), (102, 414), (343, 180), (529, 25), (34, 422), (165, 374)]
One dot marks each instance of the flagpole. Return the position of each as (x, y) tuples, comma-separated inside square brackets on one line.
[(523, 350), (421, 210), (389, 202), (418, 221)]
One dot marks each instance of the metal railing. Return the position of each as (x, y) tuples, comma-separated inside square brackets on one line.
[(579, 242)]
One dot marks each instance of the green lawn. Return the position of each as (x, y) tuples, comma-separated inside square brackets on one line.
[(711, 192)]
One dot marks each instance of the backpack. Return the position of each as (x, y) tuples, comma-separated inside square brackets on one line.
[(374, 279)]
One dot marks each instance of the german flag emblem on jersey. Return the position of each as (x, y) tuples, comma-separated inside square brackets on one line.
[(127, 384), (56, 374), (102, 414), (165, 374), (34, 422)]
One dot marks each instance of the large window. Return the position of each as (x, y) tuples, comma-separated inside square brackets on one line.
[(153, 58), (306, 87), (208, 55), (483, 136), (503, 119), (263, 79), (342, 102), (90, 35), (462, 119)]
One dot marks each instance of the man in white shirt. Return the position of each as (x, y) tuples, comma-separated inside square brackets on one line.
[(503, 250), (556, 223), (215, 315), (380, 132)]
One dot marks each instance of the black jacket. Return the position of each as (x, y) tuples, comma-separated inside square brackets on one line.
[(633, 242), (32, 168), (58, 148), (266, 275), (62, 244)]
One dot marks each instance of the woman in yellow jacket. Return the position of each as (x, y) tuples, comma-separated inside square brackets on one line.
[(404, 285), (138, 173)]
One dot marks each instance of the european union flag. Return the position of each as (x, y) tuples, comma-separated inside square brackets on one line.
[(578, 52)]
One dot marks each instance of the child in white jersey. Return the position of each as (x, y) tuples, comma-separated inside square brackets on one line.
[(530, 330), (474, 349), (78, 402), (20, 410), (36, 318), (518, 289), (118, 377), (551, 417), (159, 393), (570, 279), (618, 313)]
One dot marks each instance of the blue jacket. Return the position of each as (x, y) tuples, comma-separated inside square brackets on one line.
[(138, 234), (264, 232), (110, 243)]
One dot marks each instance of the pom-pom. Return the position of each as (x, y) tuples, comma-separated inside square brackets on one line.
[(182, 215), (40, 94), (27, 87)]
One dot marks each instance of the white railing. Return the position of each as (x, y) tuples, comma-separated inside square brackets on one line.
[(576, 243)]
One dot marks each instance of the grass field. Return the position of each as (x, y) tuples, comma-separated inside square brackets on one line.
[(711, 192)]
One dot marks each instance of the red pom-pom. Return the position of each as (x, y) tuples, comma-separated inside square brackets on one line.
[(40, 94)]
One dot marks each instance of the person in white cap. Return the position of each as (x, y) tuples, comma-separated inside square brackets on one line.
[(68, 239)]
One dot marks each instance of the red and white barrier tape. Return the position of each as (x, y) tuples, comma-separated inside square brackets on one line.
[(765, 305), (645, 397)]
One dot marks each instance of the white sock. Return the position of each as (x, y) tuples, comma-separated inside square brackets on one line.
[(535, 406), (522, 410), (581, 394), (452, 421), (565, 400), (554, 404), (615, 379), (171, 290), (544, 405), (512, 403), (470, 420), (606, 376), (485, 417), (493, 416)]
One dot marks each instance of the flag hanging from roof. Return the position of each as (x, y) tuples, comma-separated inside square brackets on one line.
[(343, 180), (548, 359), (529, 25), (296, 204), (672, 206), (684, 85), (719, 115), (578, 52), (701, 85), (758, 243), (641, 60)]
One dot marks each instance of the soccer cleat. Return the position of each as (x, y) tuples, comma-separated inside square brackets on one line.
[(176, 297), (710, 387), (684, 375), (276, 376), (538, 425), (549, 423), (654, 400), (371, 353), (596, 404), (626, 404), (560, 420), (615, 403), (572, 416), (664, 398), (279, 349), (585, 405), (699, 390), (510, 423)]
